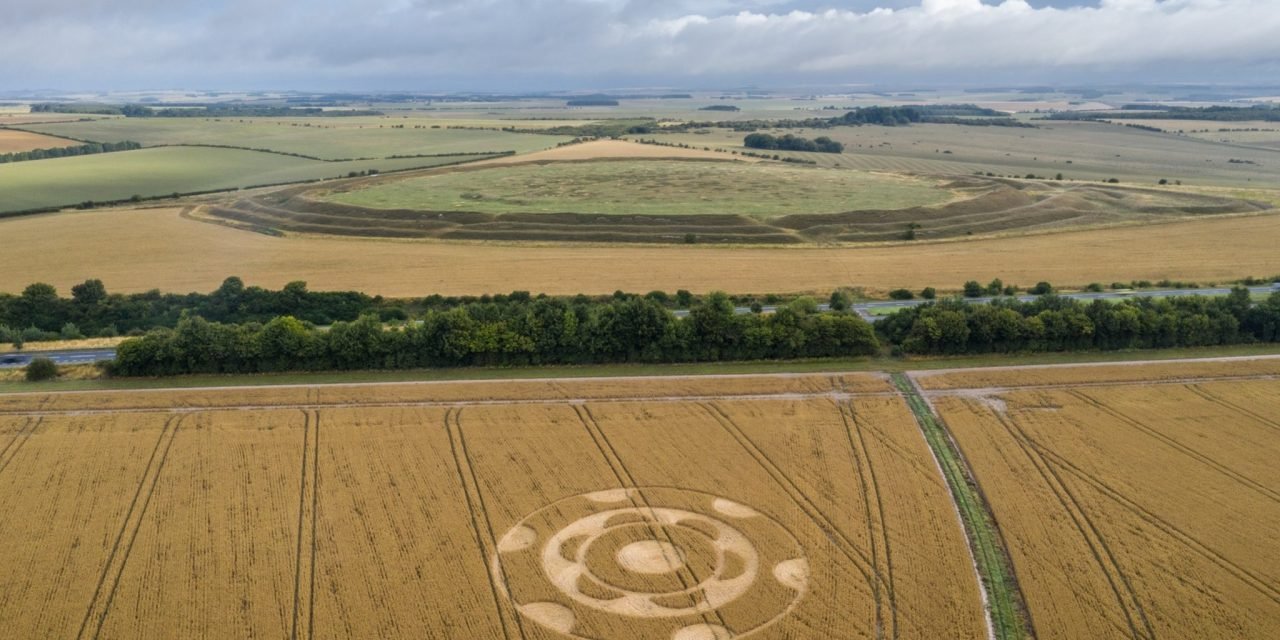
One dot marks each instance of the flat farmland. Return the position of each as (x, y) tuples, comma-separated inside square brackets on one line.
[(173, 253), (684, 508), (167, 170), (1135, 501), (1079, 150), (325, 138)]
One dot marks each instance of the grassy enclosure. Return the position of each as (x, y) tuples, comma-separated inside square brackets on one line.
[(655, 187)]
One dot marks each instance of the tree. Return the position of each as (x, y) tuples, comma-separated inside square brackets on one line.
[(928, 293), (972, 289), (995, 287), (40, 369), (1041, 288), (89, 292), (839, 300), (901, 294)]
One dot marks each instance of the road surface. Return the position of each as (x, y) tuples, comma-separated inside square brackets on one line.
[(19, 359)]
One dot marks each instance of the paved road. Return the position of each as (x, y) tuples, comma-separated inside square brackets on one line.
[(863, 309), (80, 356)]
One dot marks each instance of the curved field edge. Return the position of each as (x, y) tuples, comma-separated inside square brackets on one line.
[(1006, 608), (166, 171)]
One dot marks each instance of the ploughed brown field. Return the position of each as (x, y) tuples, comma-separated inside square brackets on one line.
[(12, 141), (1135, 501), (804, 506)]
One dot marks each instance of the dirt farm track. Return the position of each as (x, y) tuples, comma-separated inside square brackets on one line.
[(690, 508)]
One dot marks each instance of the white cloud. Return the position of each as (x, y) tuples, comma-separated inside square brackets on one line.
[(320, 40)]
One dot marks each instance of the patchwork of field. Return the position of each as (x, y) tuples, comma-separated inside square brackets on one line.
[(1079, 150), (324, 138), (163, 171), (1135, 501), (684, 508), (12, 141), (172, 253)]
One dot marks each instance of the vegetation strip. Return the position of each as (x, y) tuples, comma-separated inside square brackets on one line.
[(1004, 600)]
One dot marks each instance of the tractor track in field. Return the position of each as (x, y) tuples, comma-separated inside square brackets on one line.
[(481, 526), (1121, 585), (861, 561)]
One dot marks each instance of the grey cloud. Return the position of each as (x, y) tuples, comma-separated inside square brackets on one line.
[(412, 42)]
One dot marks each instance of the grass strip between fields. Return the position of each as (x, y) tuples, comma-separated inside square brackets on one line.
[(1004, 600)]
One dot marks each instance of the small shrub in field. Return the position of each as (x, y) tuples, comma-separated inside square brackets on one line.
[(901, 294), (41, 369)]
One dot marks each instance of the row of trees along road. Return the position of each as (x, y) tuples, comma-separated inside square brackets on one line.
[(540, 331)]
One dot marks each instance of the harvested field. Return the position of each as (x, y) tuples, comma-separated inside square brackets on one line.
[(795, 506), (1130, 509), (14, 141), (176, 254)]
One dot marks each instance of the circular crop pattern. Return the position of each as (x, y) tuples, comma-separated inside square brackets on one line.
[(652, 563)]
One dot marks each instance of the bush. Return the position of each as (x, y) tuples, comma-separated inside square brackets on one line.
[(1094, 287), (70, 332), (1041, 288), (41, 369), (839, 300), (972, 289), (928, 293), (901, 294)]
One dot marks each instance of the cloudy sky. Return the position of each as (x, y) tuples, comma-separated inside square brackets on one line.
[(550, 44)]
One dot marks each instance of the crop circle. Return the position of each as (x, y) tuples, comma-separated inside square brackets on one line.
[(650, 562)]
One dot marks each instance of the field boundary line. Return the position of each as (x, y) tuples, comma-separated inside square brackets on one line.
[(926, 373), (308, 405), (876, 526), (1049, 386), (686, 574), (1006, 612), (150, 478), (1178, 446), (488, 547), (870, 572), (1244, 575), (1085, 525)]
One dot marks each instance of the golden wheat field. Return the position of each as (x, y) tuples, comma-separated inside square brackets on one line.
[(12, 141), (175, 254), (1132, 508), (682, 508)]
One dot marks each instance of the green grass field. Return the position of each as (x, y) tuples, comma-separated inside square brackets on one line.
[(652, 187), (325, 138), (156, 172), (1078, 150)]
